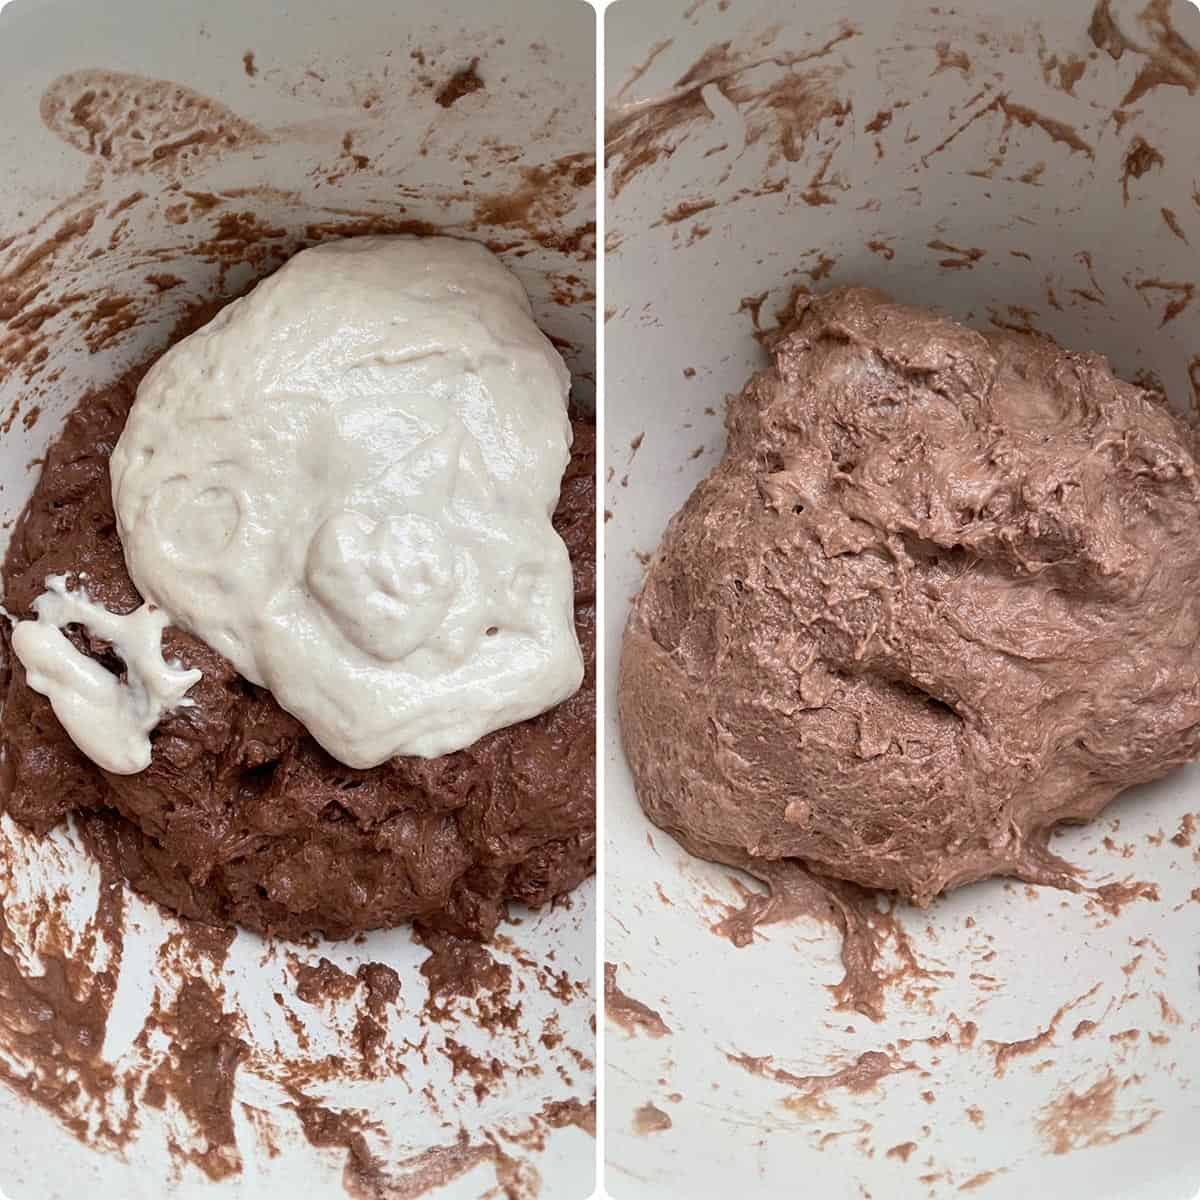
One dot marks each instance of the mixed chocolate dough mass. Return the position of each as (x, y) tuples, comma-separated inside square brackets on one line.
[(941, 594), (241, 817)]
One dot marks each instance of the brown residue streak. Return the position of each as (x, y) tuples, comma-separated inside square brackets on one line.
[(1064, 73), (1016, 319), (558, 1114), (1104, 32), (327, 1128), (203, 202), (1187, 826), (1070, 73), (635, 445), (238, 228), (785, 110), (1194, 379), (1168, 1013), (248, 64), (566, 290), (649, 1119), (458, 970), (967, 1033), (964, 258), (163, 282), (1171, 61), (106, 320), (462, 83), (981, 1180), (1005, 1052), (360, 161), (324, 980), (769, 187), (862, 1075), (951, 59), (541, 206), (198, 1073), (880, 121), (684, 210), (642, 135), (1182, 296), (821, 271), (881, 248), (904, 1151), (1057, 131), (129, 201), (22, 283), (1139, 158), (1014, 113), (793, 111), (817, 193), (869, 936), (365, 1177), (644, 66), (753, 305), (1078, 1120), (485, 1073), (131, 122), (53, 1022), (631, 1015)]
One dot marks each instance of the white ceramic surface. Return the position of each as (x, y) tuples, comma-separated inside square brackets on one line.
[(319, 72), (1024, 208)]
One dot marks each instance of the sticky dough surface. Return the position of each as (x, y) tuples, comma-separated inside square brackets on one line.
[(942, 593)]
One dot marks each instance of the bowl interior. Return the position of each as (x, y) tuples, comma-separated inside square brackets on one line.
[(1019, 167), (170, 155)]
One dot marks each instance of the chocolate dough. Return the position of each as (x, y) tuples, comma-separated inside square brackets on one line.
[(942, 593), (241, 817)]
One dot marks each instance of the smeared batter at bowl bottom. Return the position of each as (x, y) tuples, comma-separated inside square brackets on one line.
[(940, 596), (54, 1023), (241, 817)]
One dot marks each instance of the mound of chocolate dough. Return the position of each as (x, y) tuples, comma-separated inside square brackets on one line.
[(241, 817), (942, 593)]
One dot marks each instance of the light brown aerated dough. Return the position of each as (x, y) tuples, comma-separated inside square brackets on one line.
[(942, 593)]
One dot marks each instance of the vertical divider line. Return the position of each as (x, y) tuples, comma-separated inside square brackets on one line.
[(601, 648)]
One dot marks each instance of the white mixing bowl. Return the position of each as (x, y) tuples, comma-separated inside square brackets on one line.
[(983, 158), (155, 154)]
